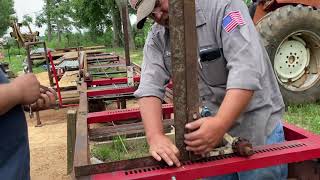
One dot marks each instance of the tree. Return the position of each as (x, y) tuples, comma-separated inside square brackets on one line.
[(93, 15), (6, 11), (61, 18), (120, 4), (101, 15), (48, 11), (116, 23), (26, 21), (56, 14)]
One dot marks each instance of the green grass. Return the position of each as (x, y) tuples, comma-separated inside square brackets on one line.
[(306, 116), (15, 62), (135, 55), (116, 152)]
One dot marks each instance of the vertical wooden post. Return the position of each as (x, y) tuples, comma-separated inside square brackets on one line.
[(125, 20), (184, 45), (48, 64), (71, 137), (126, 33)]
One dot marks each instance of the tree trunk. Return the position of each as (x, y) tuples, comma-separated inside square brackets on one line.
[(121, 3), (48, 14), (59, 35), (116, 24), (132, 45), (58, 30)]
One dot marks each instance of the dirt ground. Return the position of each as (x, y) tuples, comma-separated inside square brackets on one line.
[(48, 145)]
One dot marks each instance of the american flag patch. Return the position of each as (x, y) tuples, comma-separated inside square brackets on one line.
[(232, 20)]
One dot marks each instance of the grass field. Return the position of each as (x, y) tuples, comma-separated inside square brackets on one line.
[(16, 60)]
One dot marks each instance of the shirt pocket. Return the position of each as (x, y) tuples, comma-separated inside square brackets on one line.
[(167, 63), (214, 71)]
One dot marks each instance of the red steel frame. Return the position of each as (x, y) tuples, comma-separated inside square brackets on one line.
[(301, 145), (121, 114), (103, 82), (61, 105), (111, 91)]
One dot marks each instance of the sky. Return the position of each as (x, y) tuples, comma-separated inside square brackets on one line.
[(31, 8)]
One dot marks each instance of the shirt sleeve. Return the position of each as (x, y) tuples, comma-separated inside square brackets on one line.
[(241, 45), (154, 75)]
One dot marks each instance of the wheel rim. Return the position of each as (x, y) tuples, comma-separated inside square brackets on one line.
[(296, 62)]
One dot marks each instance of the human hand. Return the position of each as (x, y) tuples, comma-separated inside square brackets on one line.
[(162, 148), (46, 100), (27, 88), (206, 134)]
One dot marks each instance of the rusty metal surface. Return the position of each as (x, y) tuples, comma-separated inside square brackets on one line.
[(81, 153), (259, 14), (23, 38), (183, 41), (270, 5), (129, 130), (101, 57), (91, 169), (304, 170), (48, 64)]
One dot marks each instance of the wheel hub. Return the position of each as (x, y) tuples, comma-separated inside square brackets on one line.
[(291, 60)]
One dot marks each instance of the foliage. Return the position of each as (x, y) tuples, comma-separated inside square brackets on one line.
[(140, 35), (40, 20), (306, 116), (56, 14), (6, 11), (26, 20), (92, 14), (77, 39), (15, 57)]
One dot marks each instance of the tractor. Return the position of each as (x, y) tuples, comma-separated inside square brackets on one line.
[(290, 31)]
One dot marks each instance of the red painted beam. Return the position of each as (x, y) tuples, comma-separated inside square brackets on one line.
[(121, 80), (306, 146), (121, 114), (274, 156), (103, 92)]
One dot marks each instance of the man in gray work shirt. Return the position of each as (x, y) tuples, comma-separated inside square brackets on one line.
[(237, 83)]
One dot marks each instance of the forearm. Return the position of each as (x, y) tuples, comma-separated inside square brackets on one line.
[(151, 113), (9, 97), (234, 103)]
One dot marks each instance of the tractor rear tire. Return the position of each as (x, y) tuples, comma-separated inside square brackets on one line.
[(291, 35)]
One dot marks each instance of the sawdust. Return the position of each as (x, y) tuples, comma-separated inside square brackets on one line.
[(48, 146)]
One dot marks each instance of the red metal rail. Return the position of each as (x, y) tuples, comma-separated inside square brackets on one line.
[(104, 92), (103, 82), (302, 145), (121, 114), (57, 83)]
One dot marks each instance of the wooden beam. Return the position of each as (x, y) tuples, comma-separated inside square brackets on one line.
[(81, 152), (71, 137), (132, 129)]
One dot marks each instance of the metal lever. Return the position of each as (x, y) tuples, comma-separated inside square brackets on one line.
[(237, 145)]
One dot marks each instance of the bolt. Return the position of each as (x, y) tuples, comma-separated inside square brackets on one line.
[(292, 59)]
